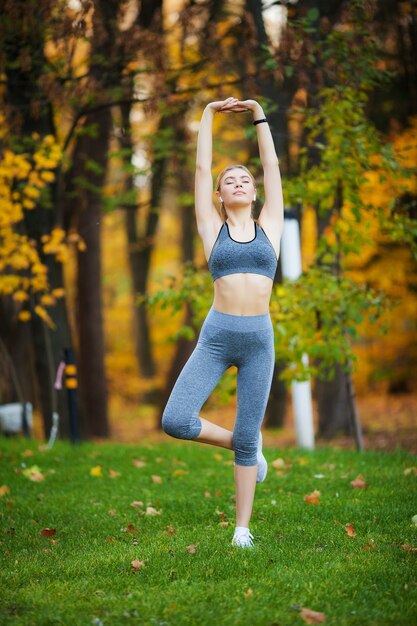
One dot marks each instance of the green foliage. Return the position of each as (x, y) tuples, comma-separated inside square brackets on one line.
[(320, 314)]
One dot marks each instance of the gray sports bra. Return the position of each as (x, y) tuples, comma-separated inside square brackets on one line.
[(229, 256)]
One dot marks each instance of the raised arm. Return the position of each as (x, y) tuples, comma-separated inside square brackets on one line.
[(273, 209), (206, 213)]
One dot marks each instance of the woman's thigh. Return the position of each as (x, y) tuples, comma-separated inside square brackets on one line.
[(197, 380)]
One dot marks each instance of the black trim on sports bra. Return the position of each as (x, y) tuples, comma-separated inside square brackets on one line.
[(256, 232)]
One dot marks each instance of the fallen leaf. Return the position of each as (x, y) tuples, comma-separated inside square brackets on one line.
[(48, 532), (313, 497), (151, 511), (312, 617), (112, 512), (370, 545), (358, 483), (132, 529), (410, 470), (114, 474), (138, 463), (33, 473), (406, 546), (27, 453), (278, 463), (249, 593), (218, 456), (156, 478), (136, 503), (191, 549), (179, 472), (350, 530), (96, 471), (207, 494), (170, 530), (3, 490), (137, 565)]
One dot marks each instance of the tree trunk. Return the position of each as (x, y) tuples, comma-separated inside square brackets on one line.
[(92, 377), (85, 183)]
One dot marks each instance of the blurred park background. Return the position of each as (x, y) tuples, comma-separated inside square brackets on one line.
[(100, 105)]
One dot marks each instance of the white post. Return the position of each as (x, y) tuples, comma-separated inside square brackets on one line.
[(301, 391)]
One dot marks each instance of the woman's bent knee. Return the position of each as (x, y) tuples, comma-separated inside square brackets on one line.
[(246, 453), (181, 427)]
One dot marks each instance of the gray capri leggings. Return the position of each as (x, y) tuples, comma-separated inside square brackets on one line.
[(225, 340)]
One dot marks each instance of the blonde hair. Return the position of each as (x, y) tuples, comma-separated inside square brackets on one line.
[(223, 213)]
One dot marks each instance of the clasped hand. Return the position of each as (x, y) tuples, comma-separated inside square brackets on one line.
[(233, 105)]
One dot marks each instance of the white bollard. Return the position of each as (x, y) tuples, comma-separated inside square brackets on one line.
[(301, 391)]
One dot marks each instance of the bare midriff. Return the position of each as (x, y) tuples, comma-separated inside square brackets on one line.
[(242, 294)]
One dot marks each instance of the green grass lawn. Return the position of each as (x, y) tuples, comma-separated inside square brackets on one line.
[(187, 571)]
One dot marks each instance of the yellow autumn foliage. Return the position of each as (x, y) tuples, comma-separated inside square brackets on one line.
[(23, 177)]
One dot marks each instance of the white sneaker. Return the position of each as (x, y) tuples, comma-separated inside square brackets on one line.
[(243, 539), (262, 463)]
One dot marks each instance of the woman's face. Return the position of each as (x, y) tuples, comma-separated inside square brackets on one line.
[(236, 188)]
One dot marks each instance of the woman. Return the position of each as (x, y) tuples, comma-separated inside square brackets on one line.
[(242, 256)]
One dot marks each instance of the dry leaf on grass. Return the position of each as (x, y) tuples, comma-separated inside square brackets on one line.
[(48, 532), (312, 617), (132, 529), (359, 482), (313, 497), (350, 530), (191, 549), (33, 473), (4, 489), (179, 472), (137, 565), (96, 471), (156, 478), (170, 530), (138, 463), (151, 511), (406, 546)]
